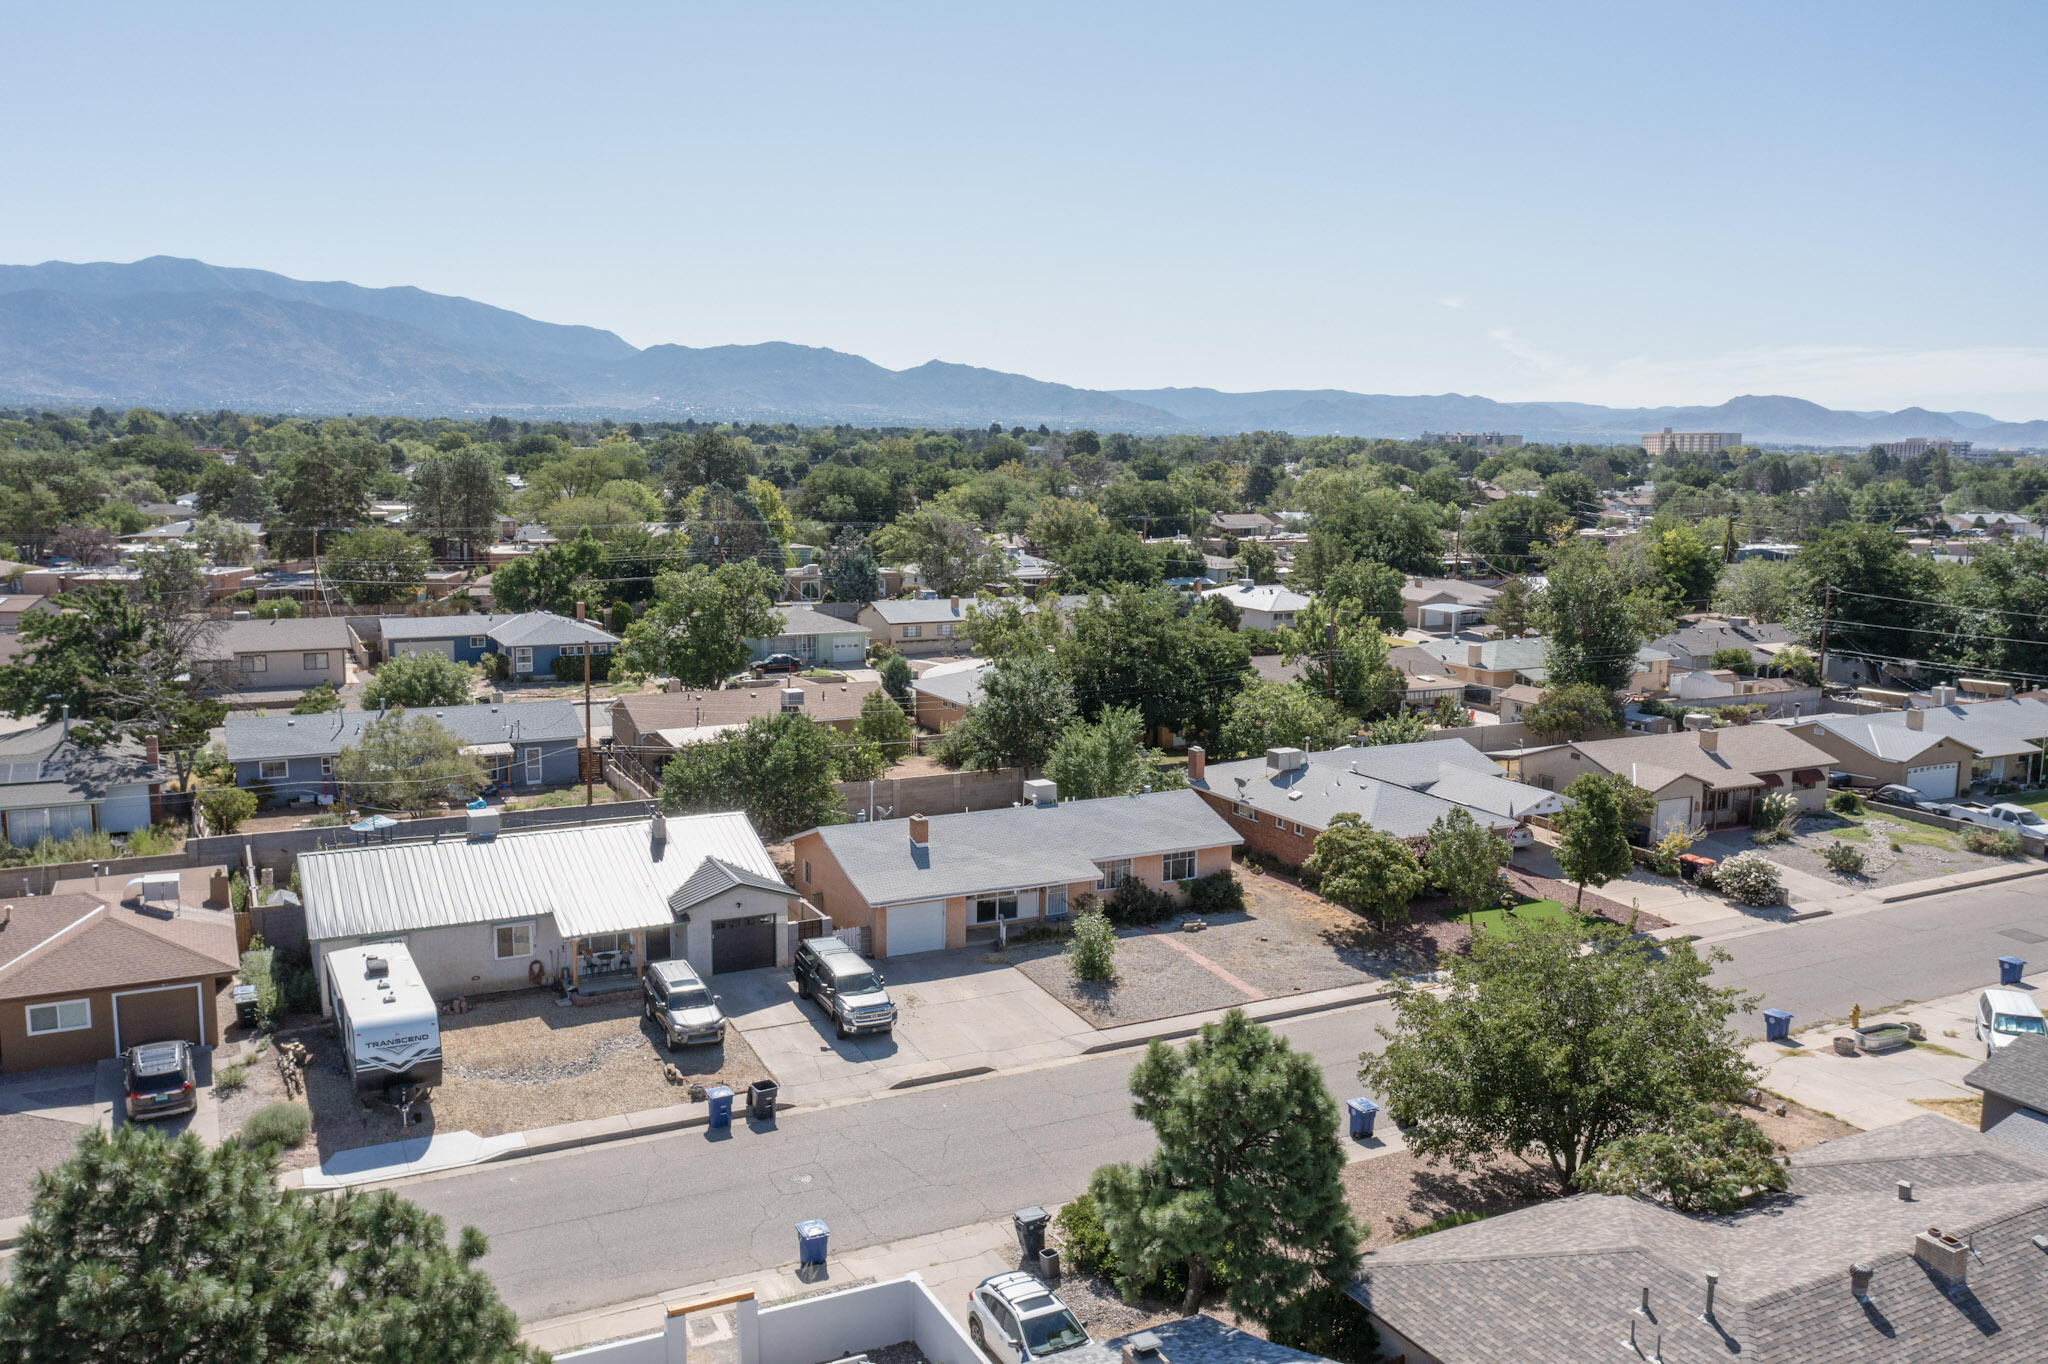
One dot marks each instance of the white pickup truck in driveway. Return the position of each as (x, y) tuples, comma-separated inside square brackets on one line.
[(2002, 816)]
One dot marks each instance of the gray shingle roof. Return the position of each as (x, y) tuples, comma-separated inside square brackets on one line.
[(1195, 1340), (521, 628), (271, 636), (1261, 597), (1007, 849), (961, 686), (802, 620), (2018, 1073), (249, 738), (1560, 1281), (922, 611), (1400, 789), (2023, 1127), (1740, 753), (1992, 728), (40, 766)]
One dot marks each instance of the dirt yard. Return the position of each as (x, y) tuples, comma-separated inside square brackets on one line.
[(511, 1064), (1923, 850)]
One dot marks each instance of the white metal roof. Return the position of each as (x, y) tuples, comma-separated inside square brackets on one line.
[(592, 878)]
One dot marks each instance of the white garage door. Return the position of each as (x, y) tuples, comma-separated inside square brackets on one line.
[(917, 928), (1938, 783), (443, 647), (847, 649), (1672, 814)]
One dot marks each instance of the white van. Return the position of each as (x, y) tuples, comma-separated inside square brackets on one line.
[(2005, 1014), (390, 1027)]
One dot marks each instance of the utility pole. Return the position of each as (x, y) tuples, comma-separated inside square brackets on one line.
[(589, 751), (1827, 596), (1330, 656)]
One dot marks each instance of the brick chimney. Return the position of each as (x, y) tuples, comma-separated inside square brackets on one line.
[(954, 602), (151, 752), (579, 610), (1710, 740), (1198, 762), (920, 832)]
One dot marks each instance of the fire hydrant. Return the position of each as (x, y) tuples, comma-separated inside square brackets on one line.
[(1855, 1015)]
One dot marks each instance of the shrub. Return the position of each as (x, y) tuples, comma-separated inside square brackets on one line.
[(1750, 878), (264, 792), (278, 1124), (1133, 903), (226, 807), (1772, 818), (498, 667), (1091, 951), (318, 700), (1993, 842), (298, 989), (1842, 857), (232, 1079), (1216, 893), (156, 840), (1845, 803), (567, 669), (1083, 1240), (1675, 843), (256, 971)]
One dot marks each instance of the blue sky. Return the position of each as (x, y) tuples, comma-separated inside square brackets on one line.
[(1620, 204)]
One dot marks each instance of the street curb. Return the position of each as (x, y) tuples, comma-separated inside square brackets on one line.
[(1804, 915), (1277, 1015), (1915, 892), (919, 1081)]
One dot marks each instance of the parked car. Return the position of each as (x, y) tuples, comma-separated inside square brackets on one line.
[(1014, 1317), (2001, 816), (845, 985), (161, 1080), (778, 663), (674, 997), (1521, 836), (2005, 1014), (1902, 795)]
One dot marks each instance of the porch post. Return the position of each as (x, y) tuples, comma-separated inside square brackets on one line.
[(575, 966), (640, 951)]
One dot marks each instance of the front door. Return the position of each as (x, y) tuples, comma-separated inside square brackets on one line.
[(533, 771)]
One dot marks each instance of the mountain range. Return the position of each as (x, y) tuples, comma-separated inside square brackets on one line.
[(181, 334)]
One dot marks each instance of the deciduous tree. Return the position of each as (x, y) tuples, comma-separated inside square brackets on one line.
[(1365, 869), (780, 771), (1464, 859), (409, 762), (1594, 847), (1710, 1160), (419, 681), (1279, 715), (375, 566), (1090, 760), (698, 627), (1026, 704)]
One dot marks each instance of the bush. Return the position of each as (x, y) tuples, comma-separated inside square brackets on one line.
[(1133, 904), (256, 971), (498, 667), (1845, 803), (1773, 818), (1091, 951), (1217, 893), (1842, 857), (1750, 878), (278, 1124), (156, 840), (1675, 843), (1084, 1243), (318, 700), (232, 1079), (1993, 842), (264, 792), (570, 669), (298, 989), (226, 807)]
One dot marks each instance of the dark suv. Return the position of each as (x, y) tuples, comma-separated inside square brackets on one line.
[(847, 987), (161, 1080)]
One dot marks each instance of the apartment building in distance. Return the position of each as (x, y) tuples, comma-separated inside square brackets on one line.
[(1669, 442), (1483, 440), (1914, 446)]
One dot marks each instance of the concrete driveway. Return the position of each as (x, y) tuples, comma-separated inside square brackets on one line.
[(954, 1012)]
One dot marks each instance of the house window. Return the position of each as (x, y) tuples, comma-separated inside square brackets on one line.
[(477, 641), (600, 648), (807, 871), (65, 1015), (1245, 812), (946, 631), (313, 663), (989, 908), (255, 663), (1113, 873), (1180, 866), (913, 632), (273, 769), (515, 940), (572, 651), (327, 767)]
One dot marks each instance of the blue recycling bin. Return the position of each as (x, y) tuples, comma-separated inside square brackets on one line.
[(720, 1099), (1777, 1025), (1363, 1113), (2010, 969), (810, 1242)]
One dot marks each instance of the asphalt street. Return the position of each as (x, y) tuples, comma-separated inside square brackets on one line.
[(586, 1228)]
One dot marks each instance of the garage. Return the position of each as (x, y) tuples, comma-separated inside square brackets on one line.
[(743, 944), (163, 1014), (845, 650), (1936, 783), (917, 927), (1672, 814), (444, 647)]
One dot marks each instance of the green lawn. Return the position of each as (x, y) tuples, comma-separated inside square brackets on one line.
[(2033, 800), (1528, 911), (1903, 831)]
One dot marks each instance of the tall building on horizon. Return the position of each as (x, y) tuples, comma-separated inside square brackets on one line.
[(1667, 442)]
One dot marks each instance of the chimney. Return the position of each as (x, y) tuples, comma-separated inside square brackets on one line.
[(1943, 1254), (920, 832), (1710, 740), (151, 752), (579, 610), (954, 602), (1198, 762), (1859, 1280), (1473, 653), (1916, 718), (657, 833), (1142, 1348)]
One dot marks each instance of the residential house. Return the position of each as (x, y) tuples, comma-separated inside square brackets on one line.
[(1446, 605), (532, 640), (277, 661), (2014, 1082), (1225, 527), (1699, 778), (523, 744), (1939, 750), (926, 883), (1847, 1265), (816, 637), (1779, 696), (1266, 606), (1426, 678), (1997, 524), (650, 728), (803, 582), (942, 697), (1698, 638), (82, 980), (1516, 699), (1277, 804), (585, 904), (1774, 550), (1487, 667), (921, 626), (52, 786), (15, 605)]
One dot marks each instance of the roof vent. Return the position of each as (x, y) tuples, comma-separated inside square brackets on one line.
[(376, 968), (1042, 793), (1285, 759), (1143, 1348), (1916, 718), (1905, 1191), (483, 822)]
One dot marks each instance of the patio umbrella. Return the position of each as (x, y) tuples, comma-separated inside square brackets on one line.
[(373, 824)]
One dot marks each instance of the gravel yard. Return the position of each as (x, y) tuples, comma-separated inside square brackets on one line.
[(1153, 980), (1924, 850), (29, 1144)]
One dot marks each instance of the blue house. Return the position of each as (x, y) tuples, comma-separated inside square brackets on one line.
[(522, 744), (532, 639)]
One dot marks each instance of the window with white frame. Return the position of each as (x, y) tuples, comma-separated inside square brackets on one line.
[(478, 641), (63, 1015), (327, 767), (1113, 873), (533, 766), (1244, 812), (1180, 866), (600, 648), (515, 940), (255, 663), (913, 632), (946, 630), (273, 769), (572, 651), (989, 908), (313, 663)]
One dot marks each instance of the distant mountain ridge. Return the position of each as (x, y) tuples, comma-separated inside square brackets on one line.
[(174, 333)]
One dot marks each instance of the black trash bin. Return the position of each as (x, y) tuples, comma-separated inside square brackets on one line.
[(1030, 1224), (761, 1101), (245, 1004)]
